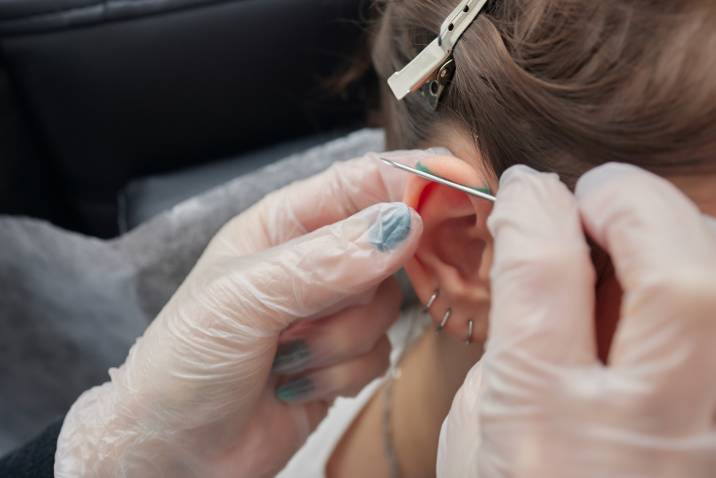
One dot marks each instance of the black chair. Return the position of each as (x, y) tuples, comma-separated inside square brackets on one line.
[(95, 95)]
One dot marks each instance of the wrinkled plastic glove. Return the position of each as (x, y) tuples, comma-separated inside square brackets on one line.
[(540, 403), (197, 393)]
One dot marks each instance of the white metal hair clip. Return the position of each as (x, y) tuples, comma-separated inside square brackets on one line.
[(432, 69)]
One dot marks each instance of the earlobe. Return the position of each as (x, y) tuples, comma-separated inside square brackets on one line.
[(454, 251)]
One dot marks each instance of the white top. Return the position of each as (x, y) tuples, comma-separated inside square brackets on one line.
[(311, 460)]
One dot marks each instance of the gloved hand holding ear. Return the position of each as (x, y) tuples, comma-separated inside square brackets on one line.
[(540, 403), (203, 392)]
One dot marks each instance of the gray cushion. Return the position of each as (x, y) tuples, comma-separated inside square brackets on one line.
[(146, 197), (71, 305)]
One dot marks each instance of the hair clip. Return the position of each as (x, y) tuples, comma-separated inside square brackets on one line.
[(433, 59), (433, 89)]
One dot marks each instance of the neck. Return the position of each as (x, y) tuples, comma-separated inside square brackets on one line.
[(431, 372)]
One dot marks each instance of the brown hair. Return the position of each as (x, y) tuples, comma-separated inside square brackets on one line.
[(563, 85)]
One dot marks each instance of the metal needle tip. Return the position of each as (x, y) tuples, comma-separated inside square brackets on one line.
[(437, 179)]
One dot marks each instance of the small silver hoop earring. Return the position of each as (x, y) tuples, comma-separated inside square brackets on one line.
[(468, 337), (443, 322), (431, 301)]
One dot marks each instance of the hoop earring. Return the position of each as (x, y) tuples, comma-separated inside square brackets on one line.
[(468, 337), (431, 301), (443, 322)]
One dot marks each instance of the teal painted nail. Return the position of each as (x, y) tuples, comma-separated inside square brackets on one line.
[(392, 227), (295, 390), (420, 166), (291, 357)]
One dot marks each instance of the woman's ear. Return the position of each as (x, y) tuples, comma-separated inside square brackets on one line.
[(454, 255)]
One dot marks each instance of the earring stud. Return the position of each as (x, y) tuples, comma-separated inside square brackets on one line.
[(468, 337), (431, 301), (443, 322)]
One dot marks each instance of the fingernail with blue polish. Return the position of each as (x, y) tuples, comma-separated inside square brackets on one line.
[(295, 390), (392, 227), (291, 357), (421, 167)]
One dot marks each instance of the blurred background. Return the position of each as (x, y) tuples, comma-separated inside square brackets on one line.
[(114, 111), (111, 111)]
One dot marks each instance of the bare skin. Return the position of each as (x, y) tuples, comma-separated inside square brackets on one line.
[(431, 372)]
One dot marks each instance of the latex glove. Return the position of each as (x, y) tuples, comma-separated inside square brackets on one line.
[(196, 395), (540, 404)]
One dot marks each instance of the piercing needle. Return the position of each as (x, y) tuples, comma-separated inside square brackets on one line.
[(438, 179)]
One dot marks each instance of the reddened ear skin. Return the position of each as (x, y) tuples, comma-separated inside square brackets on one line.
[(455, 249)]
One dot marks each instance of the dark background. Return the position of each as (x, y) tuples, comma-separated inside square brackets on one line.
[(96, 94)]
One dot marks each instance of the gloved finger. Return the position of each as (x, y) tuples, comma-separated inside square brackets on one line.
[(711, 223), (293, 426), (349, 333), (307, 417), (320, 272), (343, 379), (664, 256), (342, 190), (542, 277), (460, 433)]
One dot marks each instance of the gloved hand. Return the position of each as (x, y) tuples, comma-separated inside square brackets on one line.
[(540, 404), (197, 395)]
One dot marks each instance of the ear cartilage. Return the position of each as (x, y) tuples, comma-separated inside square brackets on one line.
[(421, 167), (478, 193)]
